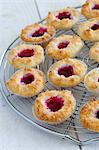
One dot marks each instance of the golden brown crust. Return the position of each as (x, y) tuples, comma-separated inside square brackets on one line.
[(73, 48), (42, 113), (85, 31), (22, 62), (64, 23), (87, 10), (26, 90), (94, 52), (79, 68), (87, 115), (91, 81), (25, 34)]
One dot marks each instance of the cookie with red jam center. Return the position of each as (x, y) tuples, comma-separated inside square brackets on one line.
[(89, 30), (64, 46), (54, 107), (67, 72), (37, 33), (25, 56), (90, 9), (63, 19), (89, 115), (91, 81), (94, 52), (26, 82)]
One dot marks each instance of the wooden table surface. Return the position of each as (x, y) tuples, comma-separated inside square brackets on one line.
[(15, 133)]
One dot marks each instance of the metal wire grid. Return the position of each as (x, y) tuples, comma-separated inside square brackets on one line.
[(23, 106)]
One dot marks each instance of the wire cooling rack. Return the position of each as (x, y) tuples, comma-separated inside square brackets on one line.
[(70, 129)]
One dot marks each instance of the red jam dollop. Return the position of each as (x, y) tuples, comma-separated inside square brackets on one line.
[(27, 78), (96, 6), (54, 103), (39, 32), (63, 45), (26, 53), (67, 71), (95, 27), (97, 114), (64, 15)]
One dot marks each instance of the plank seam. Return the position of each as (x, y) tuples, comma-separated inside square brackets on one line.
[(37, 9)]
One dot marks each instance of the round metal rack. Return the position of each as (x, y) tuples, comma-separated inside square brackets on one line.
[(71, 129)]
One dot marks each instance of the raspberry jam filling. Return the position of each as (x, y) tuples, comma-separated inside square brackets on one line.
[(26, 53), (39, 32), (64, 15), (67, 71), (97, 114), (27, 78), (95, 27), (63, 45), (96, 6), (98, 80), (54, 103)]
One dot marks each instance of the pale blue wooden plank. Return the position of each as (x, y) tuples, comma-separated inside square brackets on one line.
[(50, 5)]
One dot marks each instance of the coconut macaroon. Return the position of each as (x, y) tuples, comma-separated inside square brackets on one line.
[(26, 82), (64, 46), (67, 72), (54, 107), (25, 55), (94, 52), (37, 33), (63, 19), (89, 30), (90, 9), (91, 81), (89, 115)]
